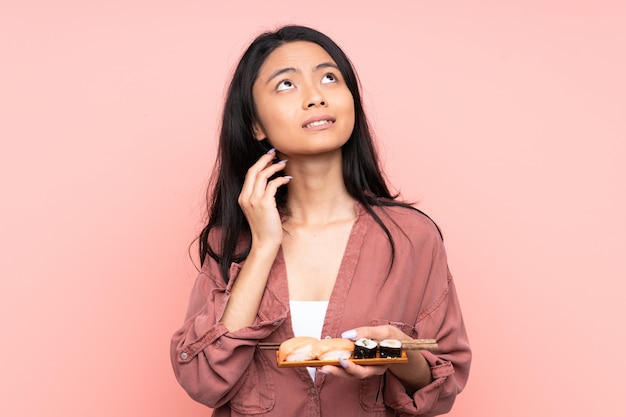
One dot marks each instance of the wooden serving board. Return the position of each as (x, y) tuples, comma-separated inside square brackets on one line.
[(317, 363)]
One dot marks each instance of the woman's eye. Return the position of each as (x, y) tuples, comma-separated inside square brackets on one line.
[(329, 78), (284, 85)]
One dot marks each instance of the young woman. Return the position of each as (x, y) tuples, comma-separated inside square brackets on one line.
[(305, 238)]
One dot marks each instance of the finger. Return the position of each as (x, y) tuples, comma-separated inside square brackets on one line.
[(259, 187), (350, 370), (341, 370), (263, 204), (273, 185), (359, 371), (375, 333), (258, 174), (266, 196), (259, 190), (262, 163)]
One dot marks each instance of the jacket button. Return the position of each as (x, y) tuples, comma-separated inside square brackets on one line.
[(184, 355)]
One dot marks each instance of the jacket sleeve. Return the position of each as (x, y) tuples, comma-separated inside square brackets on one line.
[(208, 360), (440, 318)]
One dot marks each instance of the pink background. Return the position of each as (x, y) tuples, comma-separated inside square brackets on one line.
[(505, 119)]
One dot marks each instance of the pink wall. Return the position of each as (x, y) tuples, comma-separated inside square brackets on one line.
[(507, 121)]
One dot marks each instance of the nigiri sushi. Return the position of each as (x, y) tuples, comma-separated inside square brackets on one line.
[(333, 349), (297, 349)]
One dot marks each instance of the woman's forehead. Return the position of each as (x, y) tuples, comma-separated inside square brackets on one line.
[(299, 55)]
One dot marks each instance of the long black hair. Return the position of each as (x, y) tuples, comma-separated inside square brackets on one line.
[(239, 149)]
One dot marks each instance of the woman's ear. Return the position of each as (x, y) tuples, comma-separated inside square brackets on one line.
[(259, 133)]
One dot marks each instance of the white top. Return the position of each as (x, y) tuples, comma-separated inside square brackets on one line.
[(307, 319)]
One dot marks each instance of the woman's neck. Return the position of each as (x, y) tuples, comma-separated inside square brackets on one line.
[(317, 193)]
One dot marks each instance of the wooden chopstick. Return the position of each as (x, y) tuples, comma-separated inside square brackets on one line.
[(421, 344), (269, 346)]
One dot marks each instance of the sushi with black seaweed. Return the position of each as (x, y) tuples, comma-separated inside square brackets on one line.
[(390, 348), (365, 348)]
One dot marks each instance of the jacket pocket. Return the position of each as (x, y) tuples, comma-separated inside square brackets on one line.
[(371, 393), (256, 395)]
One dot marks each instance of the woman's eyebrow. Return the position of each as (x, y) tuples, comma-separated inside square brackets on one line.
[(325, 65), (318, 67), (279, 72)]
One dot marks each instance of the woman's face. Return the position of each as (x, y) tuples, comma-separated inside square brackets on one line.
[(303, 104)]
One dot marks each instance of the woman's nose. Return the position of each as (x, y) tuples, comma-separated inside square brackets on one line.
[(314, 98), (314, 103)]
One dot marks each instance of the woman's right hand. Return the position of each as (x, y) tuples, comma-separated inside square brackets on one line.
[(258, 200)]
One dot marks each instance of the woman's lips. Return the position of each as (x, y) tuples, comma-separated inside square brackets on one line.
[(318, 122)]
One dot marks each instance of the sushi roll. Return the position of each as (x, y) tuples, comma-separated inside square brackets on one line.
[(365, 348), (390, 348)]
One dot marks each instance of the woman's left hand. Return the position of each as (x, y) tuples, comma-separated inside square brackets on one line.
[(413, 375), (349, 369)]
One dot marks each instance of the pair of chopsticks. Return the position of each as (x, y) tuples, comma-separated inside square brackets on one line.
[(420, 344)]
